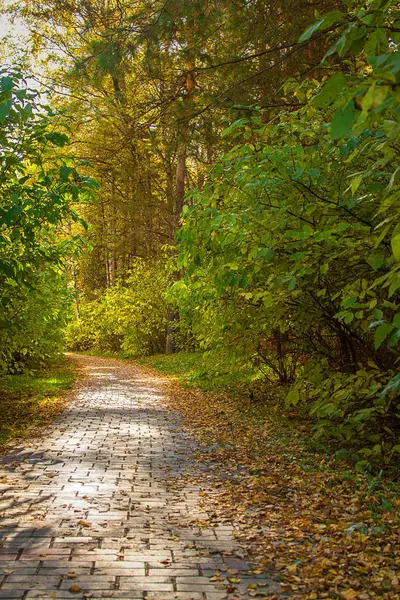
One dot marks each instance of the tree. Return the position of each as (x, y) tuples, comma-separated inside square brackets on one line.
[(39, 188)]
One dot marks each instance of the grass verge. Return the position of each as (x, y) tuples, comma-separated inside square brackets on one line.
[(29, 402), (192, 371)]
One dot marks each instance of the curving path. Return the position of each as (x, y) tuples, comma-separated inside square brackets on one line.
[(100, 508)]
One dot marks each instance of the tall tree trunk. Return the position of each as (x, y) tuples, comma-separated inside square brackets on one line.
[(113, 223), (190, 85), (173, 316)]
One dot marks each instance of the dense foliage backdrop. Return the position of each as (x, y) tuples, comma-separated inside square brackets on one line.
[(247, 155)]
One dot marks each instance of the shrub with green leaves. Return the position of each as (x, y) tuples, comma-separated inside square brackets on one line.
[(129, 317), (31, 328), (39, 189), (291, 251)]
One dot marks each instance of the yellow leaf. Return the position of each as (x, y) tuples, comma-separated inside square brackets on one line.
[(74, 588), (349, 594)]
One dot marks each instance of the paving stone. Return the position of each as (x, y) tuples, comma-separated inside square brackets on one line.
[(98, 502)]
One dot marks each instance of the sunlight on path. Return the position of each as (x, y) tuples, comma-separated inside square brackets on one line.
[(98, 508)]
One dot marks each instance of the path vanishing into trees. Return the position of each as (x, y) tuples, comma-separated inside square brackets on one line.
[(102, 505)]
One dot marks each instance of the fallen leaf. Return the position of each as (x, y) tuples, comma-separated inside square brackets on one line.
[(349, 594), (220, 586)]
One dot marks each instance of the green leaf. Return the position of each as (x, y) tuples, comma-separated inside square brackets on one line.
[(376, 261), (58, 139), (4, 110), (292, 398), (363, 414), (355, 184), (7, 84), (362, 466), (343, 121), (265, 253), (332, 17), (11, 215), (348, 302), (394, 338), (381, 333), (64, 172), (236, 125), (330, 91), (395, 242), (377, 43), (308, 33)]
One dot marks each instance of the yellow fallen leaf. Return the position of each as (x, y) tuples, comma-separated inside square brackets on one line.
[(74, 588), (349, 594)]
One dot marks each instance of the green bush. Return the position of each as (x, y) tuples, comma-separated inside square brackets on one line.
[(291, 251), (129, 317), (39, 189), (32, 323)]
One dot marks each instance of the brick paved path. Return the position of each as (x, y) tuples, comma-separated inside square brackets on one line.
[(99, 503)]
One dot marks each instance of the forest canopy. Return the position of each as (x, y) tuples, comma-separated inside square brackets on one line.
[(214, 177)]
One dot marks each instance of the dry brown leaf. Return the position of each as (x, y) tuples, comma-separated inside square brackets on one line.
[(220, 586), (84, 523)]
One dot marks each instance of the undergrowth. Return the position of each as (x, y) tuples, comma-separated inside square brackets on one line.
[(261, 403), (30, 401)]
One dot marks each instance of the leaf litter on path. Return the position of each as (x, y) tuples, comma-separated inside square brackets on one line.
[(318, 526)]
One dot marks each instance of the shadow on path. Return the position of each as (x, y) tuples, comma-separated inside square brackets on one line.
[(101, 507)]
